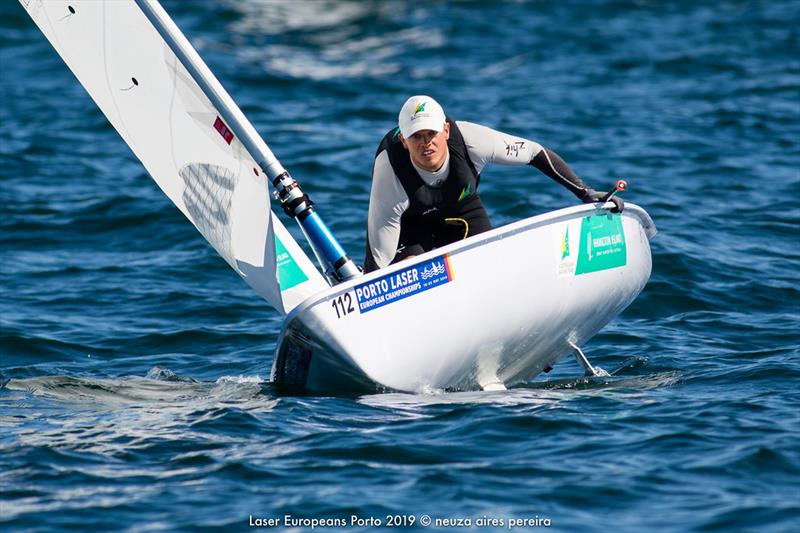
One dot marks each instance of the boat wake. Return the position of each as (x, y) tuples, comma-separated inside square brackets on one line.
[(163, 386), (540, 393), (160, 386), (616, 379)]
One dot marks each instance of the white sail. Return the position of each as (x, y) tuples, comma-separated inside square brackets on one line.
[(181, 139)]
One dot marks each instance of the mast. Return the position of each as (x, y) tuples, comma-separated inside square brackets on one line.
[(337, 265)]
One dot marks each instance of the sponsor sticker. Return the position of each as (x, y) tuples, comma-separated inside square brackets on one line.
[(223, 130), (602, 244), (566, 248), (289, 272), (403, 283)]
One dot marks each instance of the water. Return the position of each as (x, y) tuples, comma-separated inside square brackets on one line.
[(137, 360)]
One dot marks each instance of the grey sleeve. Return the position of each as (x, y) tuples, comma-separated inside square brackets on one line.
[(387, 203), (486, 145)]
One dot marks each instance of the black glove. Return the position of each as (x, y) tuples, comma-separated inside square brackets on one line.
[(590, 196)]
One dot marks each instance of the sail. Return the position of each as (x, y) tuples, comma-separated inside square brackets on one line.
[(181, 139)]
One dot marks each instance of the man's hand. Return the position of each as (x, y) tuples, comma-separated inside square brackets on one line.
[(591, 196)]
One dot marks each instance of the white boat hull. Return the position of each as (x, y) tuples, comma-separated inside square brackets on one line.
[(491, 311)]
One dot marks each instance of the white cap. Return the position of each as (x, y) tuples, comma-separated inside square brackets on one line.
[(420, 113)]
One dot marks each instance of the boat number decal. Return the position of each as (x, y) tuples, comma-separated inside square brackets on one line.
[(602, 244), (403, 283), (343, 305)]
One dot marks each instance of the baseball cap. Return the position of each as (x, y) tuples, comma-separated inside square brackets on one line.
[(420, 113)]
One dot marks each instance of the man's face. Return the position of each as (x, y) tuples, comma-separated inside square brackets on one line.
[(428, 148)]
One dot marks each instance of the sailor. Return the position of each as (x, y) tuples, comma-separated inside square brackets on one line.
[(425, 181)]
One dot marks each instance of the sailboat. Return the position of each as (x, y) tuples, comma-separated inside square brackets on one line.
[(485, 313)]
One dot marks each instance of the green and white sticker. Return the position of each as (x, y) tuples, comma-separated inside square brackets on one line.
[(602, 244), (289, 272)]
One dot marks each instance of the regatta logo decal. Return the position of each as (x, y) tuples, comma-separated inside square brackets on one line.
[(436, 270), (420, 108), (403, 283), (565, 244)]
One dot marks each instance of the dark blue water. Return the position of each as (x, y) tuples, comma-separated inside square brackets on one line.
[(138, 397)]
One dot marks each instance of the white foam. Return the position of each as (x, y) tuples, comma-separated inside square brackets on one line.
[(240, 379)]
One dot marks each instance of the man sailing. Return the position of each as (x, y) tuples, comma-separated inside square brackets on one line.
[(425, 181)]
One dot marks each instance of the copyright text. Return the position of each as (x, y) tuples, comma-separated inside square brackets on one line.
[(400, 520)]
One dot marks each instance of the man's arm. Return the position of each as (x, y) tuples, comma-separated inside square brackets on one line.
[(387, 203), (550, 164), (486, 145)]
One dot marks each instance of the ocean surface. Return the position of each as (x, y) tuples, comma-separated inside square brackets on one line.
[(136, 364)]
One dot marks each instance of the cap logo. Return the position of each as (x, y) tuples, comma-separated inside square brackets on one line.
[(420, 113)]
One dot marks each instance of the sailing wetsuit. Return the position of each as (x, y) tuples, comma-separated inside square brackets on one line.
[(413, 210)]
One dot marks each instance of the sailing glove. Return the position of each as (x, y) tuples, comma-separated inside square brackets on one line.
[(590, 196)]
